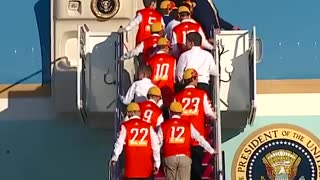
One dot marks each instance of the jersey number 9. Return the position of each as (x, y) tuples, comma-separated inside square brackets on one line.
[(147, 116)]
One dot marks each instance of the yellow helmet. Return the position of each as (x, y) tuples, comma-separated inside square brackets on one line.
[(156, 27), (190, 73), (163, 42), (176, 107), (165, 4), (182, 9), (155, 91), (133, 107)]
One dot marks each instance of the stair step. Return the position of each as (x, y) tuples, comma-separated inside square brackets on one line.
[(160, 174), (206, 158), (207, 174)]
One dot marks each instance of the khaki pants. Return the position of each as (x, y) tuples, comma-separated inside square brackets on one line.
[(177, 167)]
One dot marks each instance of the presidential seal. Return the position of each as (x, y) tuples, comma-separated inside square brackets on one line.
[(105, 9), (278, 152)]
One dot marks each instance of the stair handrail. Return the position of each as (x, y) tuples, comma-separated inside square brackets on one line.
[(253, 72), (114, 171), (119, 80), (217, 125), (223, 165), (82, 29)]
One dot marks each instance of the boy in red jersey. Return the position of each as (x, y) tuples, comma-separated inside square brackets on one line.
[(163, 71), (175, 136), (144, 18), (141, 144), (196, 107), (147, 46), (150, 112), (166, 7), (179, 32)]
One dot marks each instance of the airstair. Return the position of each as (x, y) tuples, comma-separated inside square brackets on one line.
[(213, 129), (234, 91)]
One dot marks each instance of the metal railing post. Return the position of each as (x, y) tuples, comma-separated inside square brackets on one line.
[(217, 127), (114, 172)]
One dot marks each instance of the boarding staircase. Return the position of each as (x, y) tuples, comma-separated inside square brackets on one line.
[(212, 164), (234, 91)]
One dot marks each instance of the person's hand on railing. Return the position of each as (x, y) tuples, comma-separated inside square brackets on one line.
[(217, 30), (212, 41), (155, 170), (214, 152), (112, 163), (125, 57), (122, 30)]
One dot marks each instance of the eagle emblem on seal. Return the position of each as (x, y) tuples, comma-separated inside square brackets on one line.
[(105, 9)]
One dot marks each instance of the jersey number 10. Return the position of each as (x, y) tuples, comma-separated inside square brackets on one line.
[(162, 72)]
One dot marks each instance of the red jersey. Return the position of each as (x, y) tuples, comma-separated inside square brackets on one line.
[(149, 16), (163, 75), (149, 46), (176, 137), (138, 149), (192, 100), (150, 113), (180, 32)]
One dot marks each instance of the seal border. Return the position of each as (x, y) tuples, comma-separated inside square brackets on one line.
[(109, 15), (261, 130)]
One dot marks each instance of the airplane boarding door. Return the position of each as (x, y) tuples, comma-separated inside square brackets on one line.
[(96, 72)]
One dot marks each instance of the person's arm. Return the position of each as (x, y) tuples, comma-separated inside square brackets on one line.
[(182, 62), (155, 148), (134, 52), (160, 120), (118, 146), (208, 108), (130, 94), (202, 142), (212, 66), (174, 44), (134, 22), (137, 50), (160, 136), (205, 42), (168, 31)]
